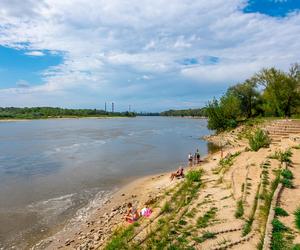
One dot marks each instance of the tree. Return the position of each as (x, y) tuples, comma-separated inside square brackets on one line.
[(247, 94), (281, 90), (223, 114)]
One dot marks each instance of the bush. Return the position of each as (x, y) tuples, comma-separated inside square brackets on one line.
[(280, 211), (287, 183), (278, 226), (194, 175), (285, 156), (259, 140), (297, 218), (287, 174)]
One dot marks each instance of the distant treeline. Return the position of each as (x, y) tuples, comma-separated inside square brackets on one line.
[(147, 114), (201, 112), (270, 92), (50, 112)]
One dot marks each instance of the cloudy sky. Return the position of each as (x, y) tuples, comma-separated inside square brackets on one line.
[(151, 54)]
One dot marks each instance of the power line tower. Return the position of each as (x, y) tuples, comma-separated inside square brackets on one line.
[(129, 108), (112, 107), (105, 107)]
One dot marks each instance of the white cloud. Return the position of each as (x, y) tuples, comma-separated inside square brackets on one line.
[(106, 43), (34, 53)]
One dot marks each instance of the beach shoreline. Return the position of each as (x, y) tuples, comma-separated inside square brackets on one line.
[(139, 190), (221, 189)]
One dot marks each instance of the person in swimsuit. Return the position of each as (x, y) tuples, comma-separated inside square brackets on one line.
[(178, 174), (132, 213)]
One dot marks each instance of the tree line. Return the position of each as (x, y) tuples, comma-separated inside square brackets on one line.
[(51, 112), (201, 112), (268, 93)]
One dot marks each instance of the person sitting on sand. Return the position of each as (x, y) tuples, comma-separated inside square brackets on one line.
[(132, 214), (178, 174)]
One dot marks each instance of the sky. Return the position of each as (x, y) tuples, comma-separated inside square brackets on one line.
[(151, 54)]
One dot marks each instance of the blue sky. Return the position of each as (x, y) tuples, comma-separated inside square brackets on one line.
[(152, 55)]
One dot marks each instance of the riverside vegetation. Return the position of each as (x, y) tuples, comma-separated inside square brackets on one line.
[(49, 112)]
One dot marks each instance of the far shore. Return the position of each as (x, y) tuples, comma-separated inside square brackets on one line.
[(63, 118)]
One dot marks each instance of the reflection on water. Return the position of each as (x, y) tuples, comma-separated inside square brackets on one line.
[(51, 168)]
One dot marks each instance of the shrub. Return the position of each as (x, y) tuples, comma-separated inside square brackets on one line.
[(259, 140), (284, 156), (194, 175), (287, 174), (278, 226), (287, 183), (280, 211), (297, 218), (239, 210)]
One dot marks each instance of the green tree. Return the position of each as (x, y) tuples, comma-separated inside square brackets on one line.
[(247, 94), (281, 90), (224, 113)]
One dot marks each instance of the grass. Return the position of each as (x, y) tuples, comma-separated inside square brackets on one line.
[(226, 163), (205, 236), (166, 208), (239, 209), (194, 175), (278, 226), (297, 218), (259, 139), (172, 233), (203, 221), (282, 237), (120, 239), (280, 211), (282, 156)]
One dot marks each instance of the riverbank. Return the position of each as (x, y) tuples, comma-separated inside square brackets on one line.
[(95, 229), (228, 208)]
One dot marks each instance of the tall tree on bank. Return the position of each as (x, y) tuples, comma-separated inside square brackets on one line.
[(224, 113), (281, 91), (247, 94)]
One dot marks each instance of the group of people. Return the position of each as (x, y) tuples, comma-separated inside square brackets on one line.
[(194, 159), (133, 215)]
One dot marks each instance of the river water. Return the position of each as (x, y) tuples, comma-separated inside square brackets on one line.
[(49, 169)]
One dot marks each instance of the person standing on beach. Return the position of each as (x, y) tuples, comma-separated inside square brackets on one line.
[(190, 158), (197, 156)]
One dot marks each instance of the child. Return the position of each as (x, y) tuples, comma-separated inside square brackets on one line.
[(132, 214)]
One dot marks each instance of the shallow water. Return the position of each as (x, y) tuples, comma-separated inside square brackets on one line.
[(51, 168)]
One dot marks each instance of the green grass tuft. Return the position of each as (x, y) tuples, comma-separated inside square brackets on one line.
[(297, 218), (239, 209), (259, 139), (280, 211), (194, 175)]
